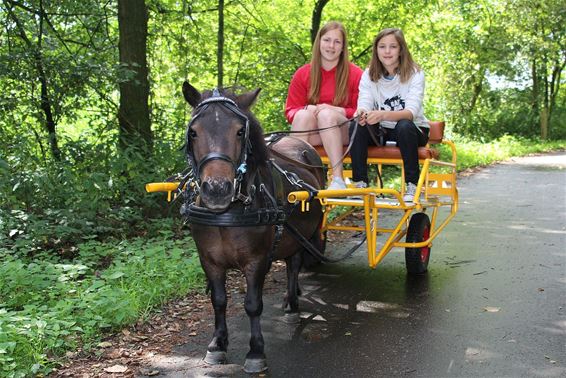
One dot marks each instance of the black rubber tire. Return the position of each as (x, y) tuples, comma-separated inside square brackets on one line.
[(416, 259)]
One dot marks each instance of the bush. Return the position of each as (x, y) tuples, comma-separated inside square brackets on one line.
[(48, 305)]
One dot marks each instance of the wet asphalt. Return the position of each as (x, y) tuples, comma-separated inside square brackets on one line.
[(493, 303)]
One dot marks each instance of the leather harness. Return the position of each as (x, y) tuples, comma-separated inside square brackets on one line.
[(244, 211)]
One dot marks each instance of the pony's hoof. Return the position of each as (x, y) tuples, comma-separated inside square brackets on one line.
[(215, 358), (256, 365), (291, 318)]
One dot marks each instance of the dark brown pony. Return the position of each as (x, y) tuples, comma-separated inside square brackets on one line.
[(239, 215)]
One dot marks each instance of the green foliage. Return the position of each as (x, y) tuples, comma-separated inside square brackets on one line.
[(92, 193), (49, 305), (492, 67), (472, 153)]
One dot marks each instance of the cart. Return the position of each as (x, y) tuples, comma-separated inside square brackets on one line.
[(419, 221)]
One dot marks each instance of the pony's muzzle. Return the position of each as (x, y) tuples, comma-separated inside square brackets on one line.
[(216, 193)]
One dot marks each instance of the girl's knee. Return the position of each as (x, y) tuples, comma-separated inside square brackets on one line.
[(329, 117), (303, 120), (405, 126), (304, 116), (404, 123)]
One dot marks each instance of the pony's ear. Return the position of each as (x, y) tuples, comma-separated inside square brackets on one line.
[(246, 100), (192, 95)]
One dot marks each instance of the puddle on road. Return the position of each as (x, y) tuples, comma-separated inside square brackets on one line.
[(389, 309), (314, 332)]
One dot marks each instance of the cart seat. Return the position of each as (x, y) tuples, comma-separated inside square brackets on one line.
[(391, 152)]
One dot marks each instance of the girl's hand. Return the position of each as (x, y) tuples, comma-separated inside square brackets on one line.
[(375, 116), (362, 115), (314, 109), (311, 108)]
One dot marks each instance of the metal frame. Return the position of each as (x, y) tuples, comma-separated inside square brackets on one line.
[(439, 191)]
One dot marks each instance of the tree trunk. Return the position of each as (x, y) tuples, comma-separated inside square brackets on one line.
[(545, 101), (544, 123), (555, 85), (535, 91), (220, 50), (477, 88), (133, 114), (45, 102), (316, 17)]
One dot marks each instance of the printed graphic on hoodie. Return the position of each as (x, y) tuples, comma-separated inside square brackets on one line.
[(393, 104)]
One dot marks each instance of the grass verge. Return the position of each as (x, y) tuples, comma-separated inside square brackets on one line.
[(49, 306)]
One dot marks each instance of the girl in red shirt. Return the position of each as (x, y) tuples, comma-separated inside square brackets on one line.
[(324, 93)]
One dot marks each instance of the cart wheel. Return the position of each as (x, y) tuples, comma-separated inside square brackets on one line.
[(416, 259)]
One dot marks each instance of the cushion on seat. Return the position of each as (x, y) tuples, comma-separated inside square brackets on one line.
[(390, 152)]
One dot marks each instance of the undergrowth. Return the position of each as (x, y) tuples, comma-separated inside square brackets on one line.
[(49, 305)]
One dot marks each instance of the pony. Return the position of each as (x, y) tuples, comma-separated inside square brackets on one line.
[(237, 209)]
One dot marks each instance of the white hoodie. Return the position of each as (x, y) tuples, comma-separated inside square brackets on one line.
[(391, 94)]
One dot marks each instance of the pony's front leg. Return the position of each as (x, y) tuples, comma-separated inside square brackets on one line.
[(216, 351), (255, 359), (291, 303)]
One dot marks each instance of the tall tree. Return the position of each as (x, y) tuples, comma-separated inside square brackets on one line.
[(133, 113), (539, 26), (38, 58), (317, 17)]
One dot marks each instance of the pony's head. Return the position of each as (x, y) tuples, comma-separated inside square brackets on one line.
[(224, 141)]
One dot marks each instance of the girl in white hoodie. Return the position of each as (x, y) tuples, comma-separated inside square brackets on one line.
[(391, 95)]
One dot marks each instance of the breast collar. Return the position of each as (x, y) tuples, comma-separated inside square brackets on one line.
[(268, 206)]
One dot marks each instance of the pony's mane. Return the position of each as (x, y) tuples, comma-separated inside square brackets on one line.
[(259, 154)]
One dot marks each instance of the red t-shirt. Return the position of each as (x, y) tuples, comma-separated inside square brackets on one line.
[(300, 85)]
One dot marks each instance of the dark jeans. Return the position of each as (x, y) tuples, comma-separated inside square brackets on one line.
[(408, 137)]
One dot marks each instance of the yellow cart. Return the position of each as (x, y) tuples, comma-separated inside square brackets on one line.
[(438, 190)]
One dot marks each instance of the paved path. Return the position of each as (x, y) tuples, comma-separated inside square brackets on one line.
[(492, 305)]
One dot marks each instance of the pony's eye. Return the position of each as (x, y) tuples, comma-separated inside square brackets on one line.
[(192, 133), (241, 131)]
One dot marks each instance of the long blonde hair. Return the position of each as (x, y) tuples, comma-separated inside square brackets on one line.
[(342, 69), (407, 65)]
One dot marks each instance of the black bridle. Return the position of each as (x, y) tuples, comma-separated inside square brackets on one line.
[(240, 166), (270, 214)]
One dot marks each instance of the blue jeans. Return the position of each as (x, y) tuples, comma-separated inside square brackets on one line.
[(408, 137)]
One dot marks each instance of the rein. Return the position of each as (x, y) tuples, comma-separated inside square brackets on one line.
[(274, 138), (286, 132), (276, 134), (315, 252)]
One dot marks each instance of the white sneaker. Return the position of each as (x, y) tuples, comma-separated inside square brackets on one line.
[(359, 184), (410, 190), (337, 183)]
